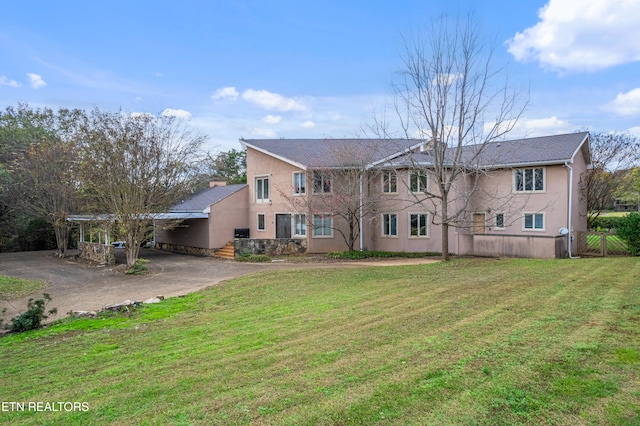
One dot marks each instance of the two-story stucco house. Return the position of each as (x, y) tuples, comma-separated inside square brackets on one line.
[(522, 200)]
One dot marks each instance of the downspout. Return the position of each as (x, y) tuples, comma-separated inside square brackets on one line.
[(569, 236), (360, 221)]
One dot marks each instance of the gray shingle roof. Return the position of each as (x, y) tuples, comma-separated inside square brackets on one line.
[(204, 199), (554, 149), (317, 153)]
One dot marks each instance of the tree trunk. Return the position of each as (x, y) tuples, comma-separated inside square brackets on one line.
[(132, 250), (62, 237), (445, 223), (445, 241)]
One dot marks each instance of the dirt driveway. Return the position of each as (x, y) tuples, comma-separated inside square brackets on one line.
[(80, 286)]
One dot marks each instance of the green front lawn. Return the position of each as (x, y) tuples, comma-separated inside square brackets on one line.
[(15, 288), (472, 341)]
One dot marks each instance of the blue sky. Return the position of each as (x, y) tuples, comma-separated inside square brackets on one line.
[(272, 69)]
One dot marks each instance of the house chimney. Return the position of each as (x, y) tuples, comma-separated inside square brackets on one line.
[(215, 183)]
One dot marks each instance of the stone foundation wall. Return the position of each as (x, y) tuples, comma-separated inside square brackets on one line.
[(176, 248), (270, 247), (96, 252)]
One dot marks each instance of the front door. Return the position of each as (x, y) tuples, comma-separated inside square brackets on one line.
[(283, 226), (478, 223)]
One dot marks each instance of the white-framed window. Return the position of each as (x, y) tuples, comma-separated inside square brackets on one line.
[(418, 181), (499, 221), (299, 183), (418, 225), (529, 179), (321, 182), (262, 225), (322, 226), (389, 225), (299, 225), (533, 222), (262, 189), (389, 182)]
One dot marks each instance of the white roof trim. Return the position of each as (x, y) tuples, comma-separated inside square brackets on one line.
[(397, 154), (152, 216), (271, 154)]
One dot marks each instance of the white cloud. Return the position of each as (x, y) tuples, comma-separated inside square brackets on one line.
[(634, 131), (272, 119), (225, 93), (141, 114), (4, 81), (581, 35), (179, 113), (263, 133), (308, 124), (271, 101), (530, 127), (627, 103), (36, 81)]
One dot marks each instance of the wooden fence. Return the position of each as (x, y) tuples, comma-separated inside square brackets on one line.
[(600, 244)]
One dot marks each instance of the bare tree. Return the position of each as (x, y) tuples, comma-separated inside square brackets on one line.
[(612, 153), (451, 94), (340, 189), (134, 166)]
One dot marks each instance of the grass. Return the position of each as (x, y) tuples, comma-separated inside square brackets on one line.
[(477, 342), (614, 244), (356, 255), (15, 288)]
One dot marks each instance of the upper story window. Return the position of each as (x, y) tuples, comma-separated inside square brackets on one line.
[(418, 181), (321, 182), (529, 179), (262, 189), (299, 183), (389, 182)]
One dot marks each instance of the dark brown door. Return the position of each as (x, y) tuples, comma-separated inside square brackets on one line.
[(283, 226)]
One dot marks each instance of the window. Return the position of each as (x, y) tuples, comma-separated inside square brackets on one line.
[(389, 225), (418, 225), (322, 225), (299, 183), (389, 182), (418, 181), (262, 189), (261, 222), (534, 221), (499, 221), (300, 225), (530, 180), (321, 183)]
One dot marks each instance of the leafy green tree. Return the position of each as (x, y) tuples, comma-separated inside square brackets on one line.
[(47, 185), (629, 188), (36, 170), (611, 154), (228, 166), (629, 230), (134, 166)]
